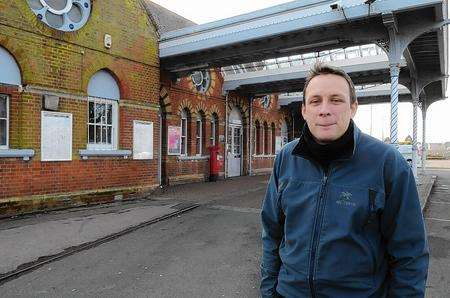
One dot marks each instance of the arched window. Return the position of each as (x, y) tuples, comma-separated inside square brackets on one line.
[(273, 138), (103, 97), (4, 121), (214, 136), (9, 75), (257, 138), (10, 72), (184, 131), (200, 133), (266, 139)]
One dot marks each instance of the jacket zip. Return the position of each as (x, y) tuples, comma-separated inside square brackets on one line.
[(316, 232)]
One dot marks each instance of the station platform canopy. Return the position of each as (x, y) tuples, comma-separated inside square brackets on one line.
[(306, 26)]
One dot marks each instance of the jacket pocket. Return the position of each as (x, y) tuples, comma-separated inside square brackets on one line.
[(371, 231), (349, 240)]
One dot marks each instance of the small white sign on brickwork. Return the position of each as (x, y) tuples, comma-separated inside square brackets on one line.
[(56, 136), (142, 140)]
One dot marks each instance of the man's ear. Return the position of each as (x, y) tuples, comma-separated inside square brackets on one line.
[(354, 108), (303, 108)]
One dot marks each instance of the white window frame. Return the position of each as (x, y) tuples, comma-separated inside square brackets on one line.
[(254, 139), (199, 135), (114, 124), (214, 121), (259, 140), (212, 138), (183, 122), (6, 146), (265, 129)]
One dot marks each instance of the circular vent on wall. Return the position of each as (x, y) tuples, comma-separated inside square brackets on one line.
[(63, 15), (265, 101), (201, 80)]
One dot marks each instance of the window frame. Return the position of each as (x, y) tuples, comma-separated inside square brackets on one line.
[(114, 124), (199, 135), (265, 138), (6, 145), (212, 137), (258, 138), (184, 120), (273, 131)]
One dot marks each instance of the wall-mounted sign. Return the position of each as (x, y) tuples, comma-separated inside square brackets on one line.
[(142, 140), (174, 140), (56, 136)]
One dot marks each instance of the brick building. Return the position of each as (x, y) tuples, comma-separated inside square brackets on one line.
[(86, 115)]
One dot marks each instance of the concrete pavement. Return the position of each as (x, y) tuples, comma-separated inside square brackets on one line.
[(27, 240)]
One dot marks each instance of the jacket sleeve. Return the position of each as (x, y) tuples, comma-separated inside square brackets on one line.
[(403, 230), (272, 233)]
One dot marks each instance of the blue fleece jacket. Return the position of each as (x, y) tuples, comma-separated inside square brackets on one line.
[(353, 230)]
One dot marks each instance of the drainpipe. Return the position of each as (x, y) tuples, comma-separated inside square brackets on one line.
[(225, 158), (160, 149), (250, 155)]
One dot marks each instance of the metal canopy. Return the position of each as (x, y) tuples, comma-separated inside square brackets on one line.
[(362, 70), (310, 26)]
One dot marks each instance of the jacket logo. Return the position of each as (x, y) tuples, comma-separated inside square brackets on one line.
[(345, 199)]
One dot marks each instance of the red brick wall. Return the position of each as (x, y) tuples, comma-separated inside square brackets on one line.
[(263, 160), (180, 95), (63, 63)]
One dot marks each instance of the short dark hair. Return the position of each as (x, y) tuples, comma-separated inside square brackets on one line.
[(320, 68)]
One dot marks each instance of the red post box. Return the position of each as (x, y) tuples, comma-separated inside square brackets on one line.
[(215, 163)]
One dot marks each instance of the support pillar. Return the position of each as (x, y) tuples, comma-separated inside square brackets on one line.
[(424, 145), (395, 71), (414, 140)]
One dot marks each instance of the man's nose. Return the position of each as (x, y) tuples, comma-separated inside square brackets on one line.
[(324, 109)]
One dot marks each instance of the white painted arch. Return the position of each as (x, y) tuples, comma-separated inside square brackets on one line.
[(103, 85), (9, 70), (235, 117)]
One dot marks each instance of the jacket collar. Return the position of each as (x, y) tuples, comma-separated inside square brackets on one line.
[(301, 150)]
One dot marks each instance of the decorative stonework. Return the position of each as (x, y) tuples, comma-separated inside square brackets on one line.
[(63, 15), (185, 104), (200, 107)]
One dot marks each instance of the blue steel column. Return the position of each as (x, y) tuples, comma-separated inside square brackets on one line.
[(395, 71)]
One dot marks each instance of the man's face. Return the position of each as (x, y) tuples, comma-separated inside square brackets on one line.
[(327, 108)]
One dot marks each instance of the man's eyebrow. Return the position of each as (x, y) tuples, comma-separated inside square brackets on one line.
[(337, 94)]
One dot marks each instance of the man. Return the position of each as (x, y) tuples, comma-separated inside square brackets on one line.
[(341, 216)]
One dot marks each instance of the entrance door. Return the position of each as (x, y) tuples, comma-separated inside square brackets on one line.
[(235, 150)]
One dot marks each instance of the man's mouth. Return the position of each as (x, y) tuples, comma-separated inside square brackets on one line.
[(326, 125)]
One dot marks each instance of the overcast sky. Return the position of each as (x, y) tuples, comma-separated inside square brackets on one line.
[(437, 126)]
